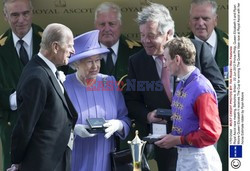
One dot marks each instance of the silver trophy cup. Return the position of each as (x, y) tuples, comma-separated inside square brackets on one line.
[(137, 147)]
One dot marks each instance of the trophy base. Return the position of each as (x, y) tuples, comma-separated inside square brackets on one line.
[(137, 166)]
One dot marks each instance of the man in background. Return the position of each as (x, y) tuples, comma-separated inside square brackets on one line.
[(43, 136), (203, 24), (17, 46), (108, 22)]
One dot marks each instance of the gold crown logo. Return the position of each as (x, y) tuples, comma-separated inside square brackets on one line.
[(60, 3)]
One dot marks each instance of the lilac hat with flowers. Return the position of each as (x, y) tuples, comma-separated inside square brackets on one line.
[(87, 45)]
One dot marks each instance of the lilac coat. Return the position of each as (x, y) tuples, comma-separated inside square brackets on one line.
[(102, 100)]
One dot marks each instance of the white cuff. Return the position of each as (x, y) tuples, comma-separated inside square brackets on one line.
[(13, 104)]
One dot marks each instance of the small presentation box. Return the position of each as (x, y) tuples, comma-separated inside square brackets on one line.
[(158, 130), (96, 125), (164, 113)]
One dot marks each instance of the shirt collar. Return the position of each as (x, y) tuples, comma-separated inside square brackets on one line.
[(185, 77), (27, 38), (114, 47), (48, 62), (154, 57), (211, 40)]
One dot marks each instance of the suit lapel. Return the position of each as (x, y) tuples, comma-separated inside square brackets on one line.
[(221, 55), (36, 39), (151, 67), (103, 67), (13, 57), (54, 81)]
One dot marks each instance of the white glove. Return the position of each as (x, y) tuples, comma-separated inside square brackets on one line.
[(112, 126), (14, 167), (81, 131), (13, 103)]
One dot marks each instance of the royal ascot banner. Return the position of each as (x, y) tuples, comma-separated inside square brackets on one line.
[(79, 14), (239, 132)]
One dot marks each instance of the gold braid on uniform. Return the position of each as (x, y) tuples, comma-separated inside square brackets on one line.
[(2, 40), (132, 43), (121, 84)]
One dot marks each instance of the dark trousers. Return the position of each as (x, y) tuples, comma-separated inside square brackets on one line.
[(166, 158), (5, 134), (65, 163)]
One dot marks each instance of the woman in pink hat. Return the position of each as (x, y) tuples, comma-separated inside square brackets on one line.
[(94, 95)]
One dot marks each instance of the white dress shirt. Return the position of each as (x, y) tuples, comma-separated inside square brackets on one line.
[(28, 43), (211, 41)]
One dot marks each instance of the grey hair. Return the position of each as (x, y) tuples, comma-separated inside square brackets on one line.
[(157, 13), (200, 2), (106, 7), (11, 1), (54, 32)]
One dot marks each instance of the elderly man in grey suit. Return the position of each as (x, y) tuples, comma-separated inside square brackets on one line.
[(42, 138), (21, 33)]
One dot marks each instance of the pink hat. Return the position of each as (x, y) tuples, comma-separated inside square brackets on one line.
[(87, 45)]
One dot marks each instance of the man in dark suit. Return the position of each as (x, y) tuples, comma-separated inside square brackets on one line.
[(108, 22), (42, 138), (18, 13), (203, 24), (142, 99)]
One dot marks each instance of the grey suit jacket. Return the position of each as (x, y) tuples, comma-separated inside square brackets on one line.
[(46, 118)]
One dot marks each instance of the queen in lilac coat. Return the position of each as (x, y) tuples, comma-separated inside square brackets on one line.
[(94, 95)]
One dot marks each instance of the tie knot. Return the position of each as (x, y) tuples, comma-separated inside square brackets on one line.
[(209, 45), (110, 50), (21, 42)]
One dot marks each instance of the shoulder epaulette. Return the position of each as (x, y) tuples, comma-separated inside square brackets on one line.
[(2, 40), (132, 43), (225, 40)]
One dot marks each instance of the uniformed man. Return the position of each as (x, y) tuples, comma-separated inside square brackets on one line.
[(17, 46), (108, 21)]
